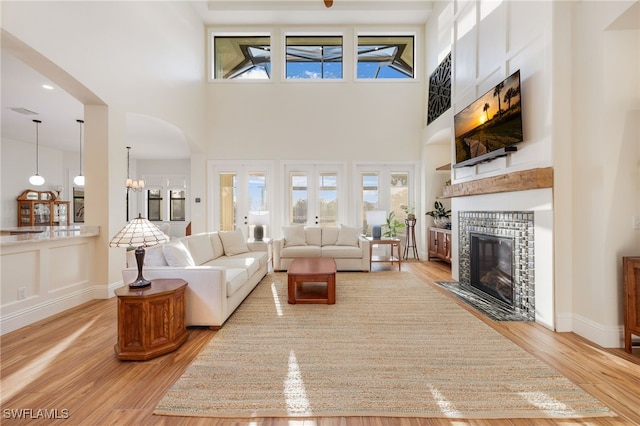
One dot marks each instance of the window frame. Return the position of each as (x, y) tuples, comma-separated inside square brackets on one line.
[(212, 34), (414, 34), (285, 62), (172, 199)]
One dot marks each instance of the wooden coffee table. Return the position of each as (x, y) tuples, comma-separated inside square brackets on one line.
[(307, 277)]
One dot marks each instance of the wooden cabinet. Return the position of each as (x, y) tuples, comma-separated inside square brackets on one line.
[(631, 275), (41, 208), (439, 244), (151, 320)]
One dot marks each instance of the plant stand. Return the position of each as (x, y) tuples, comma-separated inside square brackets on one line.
[(411, 239)]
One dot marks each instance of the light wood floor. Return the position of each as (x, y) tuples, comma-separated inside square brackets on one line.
[(67, 362)]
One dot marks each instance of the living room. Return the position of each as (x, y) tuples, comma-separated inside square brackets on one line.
[(579, 66), (213, 117)]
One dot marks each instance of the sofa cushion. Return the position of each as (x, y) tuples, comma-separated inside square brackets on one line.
[(200, 248), (249, 263), (236, 278), (348, 236), (177, 254), (233, 242), (301, 251), (314, 236), (216, 244), (294, 236), (330, 235), (154, 256), (342, 252)]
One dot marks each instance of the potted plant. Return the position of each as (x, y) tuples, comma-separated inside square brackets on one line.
[(392, 226), (410, 211), (440, 215)]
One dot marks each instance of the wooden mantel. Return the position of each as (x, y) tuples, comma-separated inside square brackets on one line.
[(517, 181)]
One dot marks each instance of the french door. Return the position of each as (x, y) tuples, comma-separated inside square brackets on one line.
[(238, 190), (315, 194)]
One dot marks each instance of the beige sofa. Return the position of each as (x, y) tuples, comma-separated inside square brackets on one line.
[(344, 244), (221, 269)]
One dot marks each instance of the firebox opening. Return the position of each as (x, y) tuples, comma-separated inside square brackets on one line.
[(492, 266)]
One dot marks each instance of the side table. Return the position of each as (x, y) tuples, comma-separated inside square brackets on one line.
[(151, 320), (393, 243)]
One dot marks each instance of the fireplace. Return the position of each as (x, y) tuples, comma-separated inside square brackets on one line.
[(492, 266), (496, 262)]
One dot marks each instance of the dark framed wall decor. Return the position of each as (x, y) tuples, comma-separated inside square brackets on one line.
[(439, 90)]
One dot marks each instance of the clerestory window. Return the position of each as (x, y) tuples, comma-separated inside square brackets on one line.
[(314, 57), (385, 57), (244, 57)]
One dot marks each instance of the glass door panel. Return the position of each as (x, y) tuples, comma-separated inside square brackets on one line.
[(240, 190), (328, 199), (299, 197), (228, 191), (41, 214)]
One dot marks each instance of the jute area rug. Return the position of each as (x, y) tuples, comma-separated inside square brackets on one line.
[(390, 346)]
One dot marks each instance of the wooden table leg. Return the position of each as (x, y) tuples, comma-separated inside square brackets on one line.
[(331, 289), (291, 289)]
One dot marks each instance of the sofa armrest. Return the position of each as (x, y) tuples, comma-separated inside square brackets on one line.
[(365, 245), (278, 245)]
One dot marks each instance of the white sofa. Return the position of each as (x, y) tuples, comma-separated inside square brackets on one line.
[(344, 244), (221, 269)]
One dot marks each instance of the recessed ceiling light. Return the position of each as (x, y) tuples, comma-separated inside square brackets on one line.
[(48, 87)]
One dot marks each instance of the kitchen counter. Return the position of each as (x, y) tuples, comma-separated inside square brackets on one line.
[(32, 234)]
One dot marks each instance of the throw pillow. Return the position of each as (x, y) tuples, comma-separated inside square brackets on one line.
[(348, 236), (233, 242), (294, 236), (153, 256), (200, 248), (177, 254)]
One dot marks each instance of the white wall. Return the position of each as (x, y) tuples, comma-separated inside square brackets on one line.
[(18, 164), (580, 70), (605, 158), (318, 120)]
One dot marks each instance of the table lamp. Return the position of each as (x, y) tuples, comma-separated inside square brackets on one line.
[(139, 233), (375, 219), (258, 219)]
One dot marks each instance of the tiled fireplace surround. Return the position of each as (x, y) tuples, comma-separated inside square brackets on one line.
[(536, 202), (517, 226)]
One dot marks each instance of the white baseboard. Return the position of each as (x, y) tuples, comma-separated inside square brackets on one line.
[(604, 335), (36, 312), (39, 311)]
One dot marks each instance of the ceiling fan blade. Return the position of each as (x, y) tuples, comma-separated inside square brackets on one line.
[(328, 3)]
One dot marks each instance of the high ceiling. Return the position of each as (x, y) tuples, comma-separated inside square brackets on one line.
[(22, 87)]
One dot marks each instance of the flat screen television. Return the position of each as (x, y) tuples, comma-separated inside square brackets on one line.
[(491, 125)]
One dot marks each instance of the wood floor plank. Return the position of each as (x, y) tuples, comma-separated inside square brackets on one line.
[(67, 362)]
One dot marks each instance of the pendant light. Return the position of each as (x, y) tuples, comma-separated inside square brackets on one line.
[(79, 180), (36, 180)]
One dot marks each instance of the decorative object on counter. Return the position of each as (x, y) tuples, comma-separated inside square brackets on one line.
[(139, 233), (376, 219), (79, 180), (58, 189), (259, 219), (37, 180), (42, 208), (392, 225), (440, 215)]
